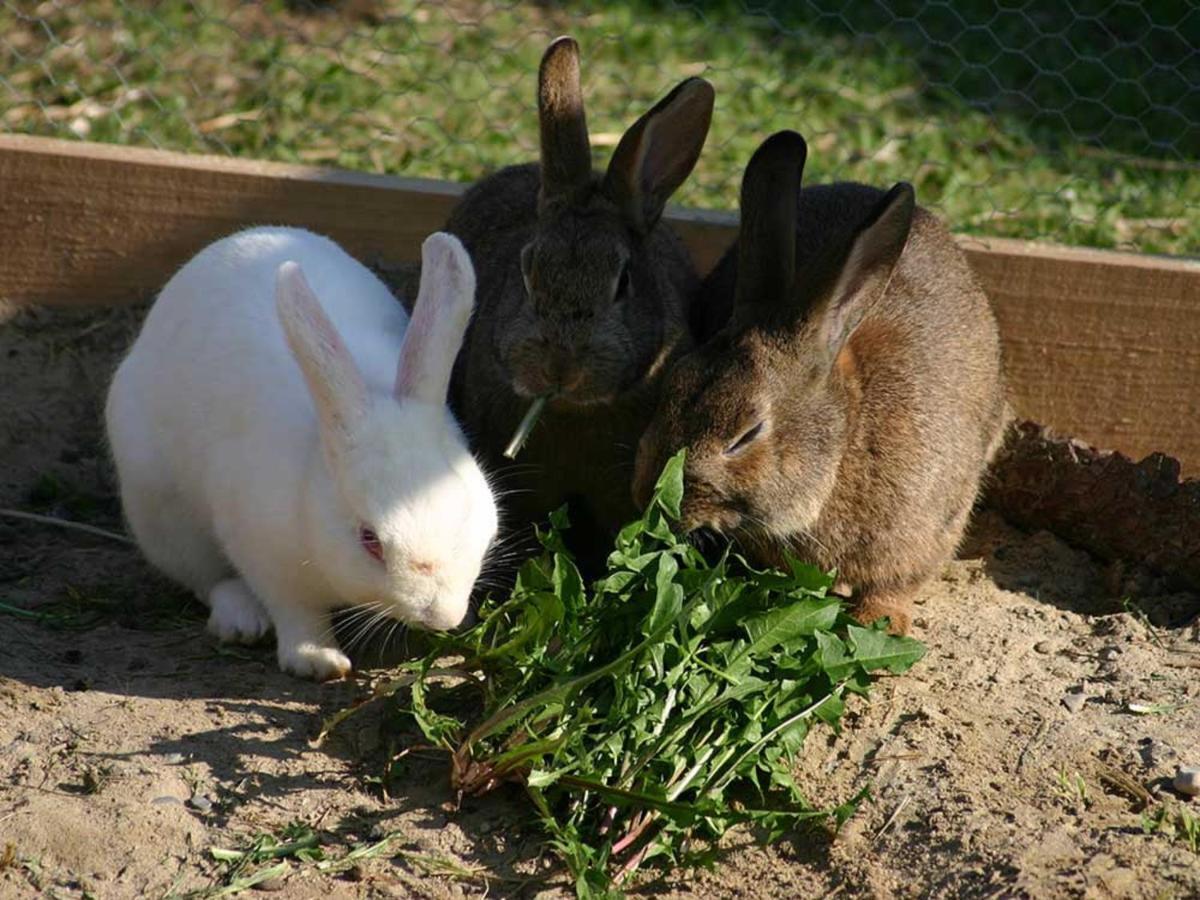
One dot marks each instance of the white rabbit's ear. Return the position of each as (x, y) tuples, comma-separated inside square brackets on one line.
[(337, 387), (445, 300)]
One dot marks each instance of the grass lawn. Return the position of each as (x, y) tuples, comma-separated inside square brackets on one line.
[(1027, 121)]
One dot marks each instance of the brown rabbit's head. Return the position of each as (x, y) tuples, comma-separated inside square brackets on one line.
[(597, 304), (764, 406)]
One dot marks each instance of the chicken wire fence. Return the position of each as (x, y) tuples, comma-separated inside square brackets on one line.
[(1074, 121)]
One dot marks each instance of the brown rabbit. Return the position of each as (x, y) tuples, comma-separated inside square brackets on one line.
[(582, 295), (847, 408)]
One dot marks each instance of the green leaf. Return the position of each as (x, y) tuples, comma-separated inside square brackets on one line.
[(668, 600), (539, 778), (650, 699), (668, 492), (878, 650), (567, 583), (833, 656), (780, 627)]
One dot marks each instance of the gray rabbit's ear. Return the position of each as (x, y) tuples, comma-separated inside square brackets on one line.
[(566, 153), (867, 267), (767, 237), (658, 153)]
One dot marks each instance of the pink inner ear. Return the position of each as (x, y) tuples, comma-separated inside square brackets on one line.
[(435, 332), (334, 382), (416, 344)]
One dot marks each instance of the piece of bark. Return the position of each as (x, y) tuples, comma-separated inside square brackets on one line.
[(1099, 500)]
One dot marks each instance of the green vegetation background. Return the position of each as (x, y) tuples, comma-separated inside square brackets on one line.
[(1075, 123)]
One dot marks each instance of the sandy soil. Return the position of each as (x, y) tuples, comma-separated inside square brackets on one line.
[(1007, 763)]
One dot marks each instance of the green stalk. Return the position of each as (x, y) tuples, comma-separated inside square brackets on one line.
[(521, 435)]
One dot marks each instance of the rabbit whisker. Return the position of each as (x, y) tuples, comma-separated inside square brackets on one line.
[(356, 614), (366, 629)]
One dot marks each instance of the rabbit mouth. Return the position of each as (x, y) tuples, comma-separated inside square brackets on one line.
[(709, 541), (579, 392), (567, 401), (718, 521), (569, 379)]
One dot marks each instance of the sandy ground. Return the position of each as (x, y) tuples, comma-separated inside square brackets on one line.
[(1007, 763)]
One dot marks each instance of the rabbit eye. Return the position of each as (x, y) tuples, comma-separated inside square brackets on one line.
[(749, 436), (527, 267), (622, 284), (370, 542)]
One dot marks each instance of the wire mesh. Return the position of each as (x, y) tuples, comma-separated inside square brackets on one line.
[(1074, 121)]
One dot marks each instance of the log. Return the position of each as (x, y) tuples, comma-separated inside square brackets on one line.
[(1099, 500)]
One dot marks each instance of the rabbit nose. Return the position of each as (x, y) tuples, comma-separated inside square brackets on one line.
[(563, 372), (571, 378), (422, 566)]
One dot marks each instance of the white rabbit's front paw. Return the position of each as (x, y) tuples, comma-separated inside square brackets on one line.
[(319, 662), (237, 617), (306, 644)]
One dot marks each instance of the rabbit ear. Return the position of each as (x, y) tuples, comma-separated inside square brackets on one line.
[(658, 152), (767, 237), (566, 153), (867, 268), (439, 320), (337, 387)]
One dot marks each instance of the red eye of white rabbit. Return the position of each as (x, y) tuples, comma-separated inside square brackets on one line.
[(370, 542), (749, 436)]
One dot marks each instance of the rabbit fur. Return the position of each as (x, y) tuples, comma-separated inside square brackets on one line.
[(583, 295), (849, 393), (281, 455)]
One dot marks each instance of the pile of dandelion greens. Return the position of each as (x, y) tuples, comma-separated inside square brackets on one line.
[(651, 712)]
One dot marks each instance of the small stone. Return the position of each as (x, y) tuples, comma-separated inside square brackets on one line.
[(271, 885), (173, 759), (1108, 654), (166, 800), (1046, 647), (200, 803), (1074, 702), (1187, 780)]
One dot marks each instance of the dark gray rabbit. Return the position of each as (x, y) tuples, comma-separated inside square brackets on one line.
[(582, 295), (851, 395)]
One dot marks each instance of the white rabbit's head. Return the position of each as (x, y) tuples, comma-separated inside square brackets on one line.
[(406, 519)]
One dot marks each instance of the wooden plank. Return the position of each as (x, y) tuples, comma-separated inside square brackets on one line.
[(1098, 344), (1103, 346), (89, 224)]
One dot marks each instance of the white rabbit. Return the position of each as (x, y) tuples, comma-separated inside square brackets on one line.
[(275, 458)]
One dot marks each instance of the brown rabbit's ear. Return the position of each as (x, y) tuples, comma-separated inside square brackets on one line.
[(658, 152), (566, 153), (867, 268), (767, 237)]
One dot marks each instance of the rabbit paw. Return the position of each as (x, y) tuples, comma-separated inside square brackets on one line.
[(897, 608), (309, 660), (237, 617)]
